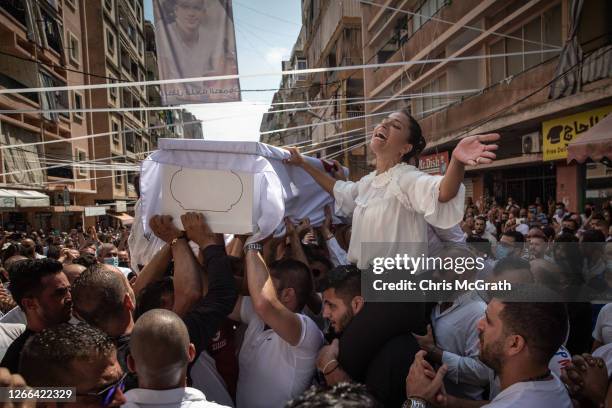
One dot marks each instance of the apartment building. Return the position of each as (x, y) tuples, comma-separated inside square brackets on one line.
[(39, 186), (333, 124), (292, 88), (332, 38), (511, 91), (115, 28)]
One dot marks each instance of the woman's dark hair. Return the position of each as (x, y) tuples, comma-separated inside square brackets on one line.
[(415, 138)]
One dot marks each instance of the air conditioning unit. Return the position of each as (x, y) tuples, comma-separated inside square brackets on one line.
[(531, 143)]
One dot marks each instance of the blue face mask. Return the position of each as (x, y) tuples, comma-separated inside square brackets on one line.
[(113, 261), (502, 251)]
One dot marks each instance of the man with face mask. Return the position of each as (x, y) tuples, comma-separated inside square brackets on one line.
[(109, 255), (559, 213), (510, 243), (586, 215)]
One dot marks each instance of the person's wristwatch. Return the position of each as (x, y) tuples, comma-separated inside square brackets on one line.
[(413, 402), (182, 235), (255, 246)]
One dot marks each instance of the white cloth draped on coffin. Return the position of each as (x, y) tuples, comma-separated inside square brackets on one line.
[(281, 190)]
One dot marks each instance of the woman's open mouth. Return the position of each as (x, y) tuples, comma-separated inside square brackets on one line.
[(380, 135)]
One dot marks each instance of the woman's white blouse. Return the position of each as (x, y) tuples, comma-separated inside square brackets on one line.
[(393, 208)]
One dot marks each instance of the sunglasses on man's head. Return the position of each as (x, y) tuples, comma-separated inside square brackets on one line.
[(107, 394)]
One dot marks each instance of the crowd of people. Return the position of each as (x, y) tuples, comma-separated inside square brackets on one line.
[(212, 320)]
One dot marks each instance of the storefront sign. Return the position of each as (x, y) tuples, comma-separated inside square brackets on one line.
[(434, 163), (94, 211), (558, 133), (7, 202)]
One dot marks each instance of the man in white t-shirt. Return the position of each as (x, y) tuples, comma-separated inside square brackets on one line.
[(602, 334), (517, 340), (280, 346)]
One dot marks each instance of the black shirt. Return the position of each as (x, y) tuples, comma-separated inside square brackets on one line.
[(204, 319), (375, 348), (13, 353)]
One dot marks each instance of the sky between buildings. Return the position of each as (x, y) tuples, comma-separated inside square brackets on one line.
[(262, 42)]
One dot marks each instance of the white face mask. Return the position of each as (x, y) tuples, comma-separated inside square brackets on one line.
[(113, 261)]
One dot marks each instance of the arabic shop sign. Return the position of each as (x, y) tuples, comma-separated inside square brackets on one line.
[(434, 163), (558, 133)]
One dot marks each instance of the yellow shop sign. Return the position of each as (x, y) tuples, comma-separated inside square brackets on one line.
[(558, 133)]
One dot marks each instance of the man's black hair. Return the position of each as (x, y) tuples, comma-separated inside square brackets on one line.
[(342, 395), (593, 235), (518, 237), (151, 296), (86, 260), (47, 357), (293, 274), (511, 263), (26, 276), (345, 280), (53, 252), (542, 325)]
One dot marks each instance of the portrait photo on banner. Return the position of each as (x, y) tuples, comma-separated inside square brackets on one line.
[(196, 38)]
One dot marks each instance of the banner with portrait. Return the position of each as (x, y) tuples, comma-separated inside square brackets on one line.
[(196, 38)]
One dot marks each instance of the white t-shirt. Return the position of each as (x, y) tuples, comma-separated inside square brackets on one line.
[(603, 328), (272, 371), (15, 315), (206, 378), (8, 333), (533, 394), (177, 397), (392, 208)]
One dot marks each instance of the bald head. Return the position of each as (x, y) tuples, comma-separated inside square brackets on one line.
[(160, 350), (73, 271)]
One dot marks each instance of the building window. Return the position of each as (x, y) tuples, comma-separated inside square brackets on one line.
[(78, 104), (82, 157), (140, 46), (544, 29), (130, 141), (112, 94), (118, 178), (74, 48), (425, 13), (428, 103), (145, 147), (138, 13), (116, 129), (51, 29), (110, 42), (108, 5)]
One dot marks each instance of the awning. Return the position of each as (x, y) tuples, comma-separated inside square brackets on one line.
[(594, 144), (125, 219), (23, 198)]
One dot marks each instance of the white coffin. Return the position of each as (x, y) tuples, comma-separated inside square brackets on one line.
[(224, 197)]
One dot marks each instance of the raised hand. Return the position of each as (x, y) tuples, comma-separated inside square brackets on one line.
[(199, 231), (296, 157), (474, 150), (163, 228)]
